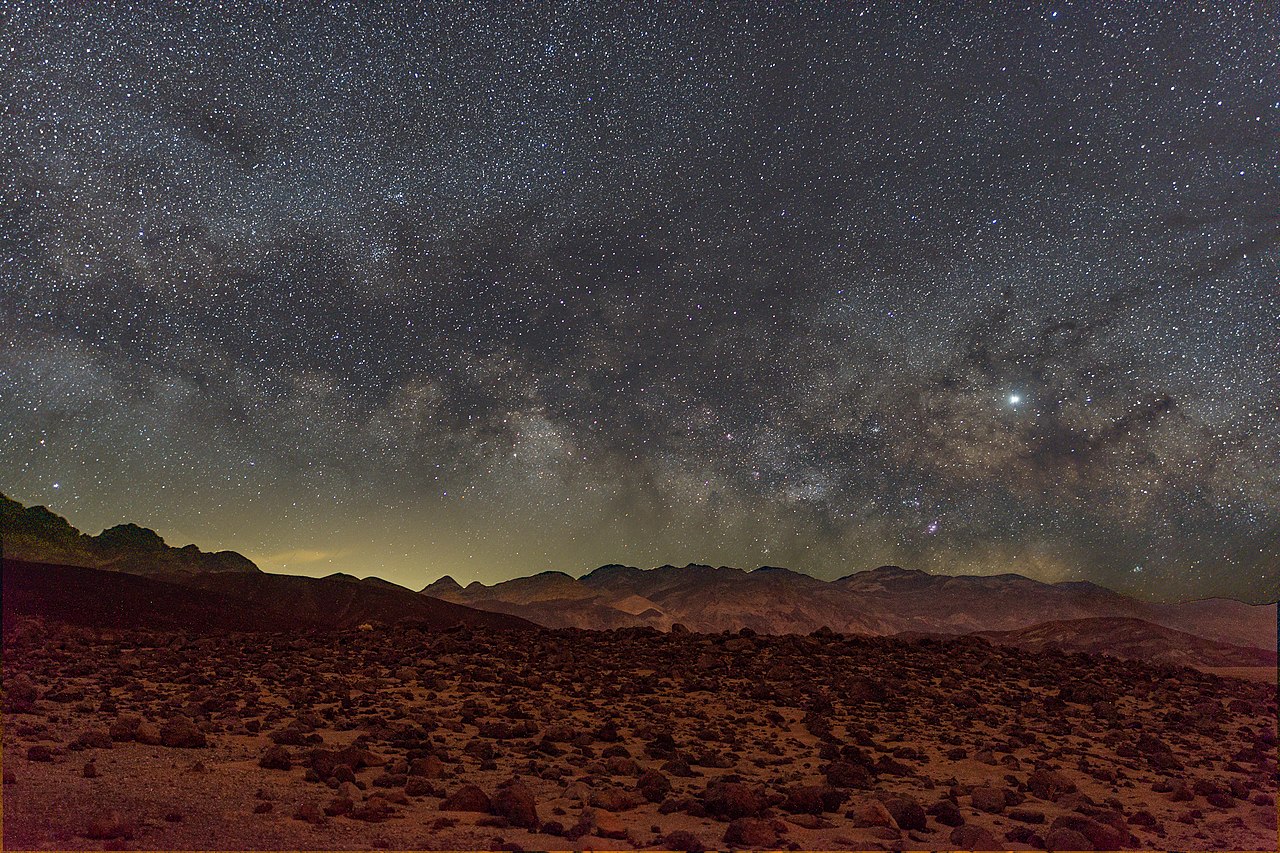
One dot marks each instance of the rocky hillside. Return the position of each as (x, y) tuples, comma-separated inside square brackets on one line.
[(1133, 639), (226, 601), (629, 740), (38, 535), (887, 600)]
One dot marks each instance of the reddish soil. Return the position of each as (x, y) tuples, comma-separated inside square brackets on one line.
[(463, 739)]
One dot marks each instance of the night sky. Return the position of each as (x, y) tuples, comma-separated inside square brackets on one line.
[(828, 285)]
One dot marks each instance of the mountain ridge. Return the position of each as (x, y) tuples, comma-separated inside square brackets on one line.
[(226, 601), (37, 534), (885, 600)]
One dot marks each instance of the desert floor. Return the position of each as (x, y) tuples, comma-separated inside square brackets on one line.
[(401, 739)]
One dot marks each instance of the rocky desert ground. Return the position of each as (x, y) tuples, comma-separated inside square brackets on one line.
[(401, 738)]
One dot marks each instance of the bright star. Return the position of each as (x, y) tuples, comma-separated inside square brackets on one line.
[(1015, 399)]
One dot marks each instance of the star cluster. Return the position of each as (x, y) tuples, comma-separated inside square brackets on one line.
[(491, 288)]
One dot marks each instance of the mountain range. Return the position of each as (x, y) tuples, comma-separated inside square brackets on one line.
[(128, 576), (35, 533), (886, 600)]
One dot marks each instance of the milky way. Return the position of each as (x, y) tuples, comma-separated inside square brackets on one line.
[(400, 291)]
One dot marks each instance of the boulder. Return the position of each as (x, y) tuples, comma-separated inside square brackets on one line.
[(468, 798), (517, 804), (750, 833), (182, 733), (970, 837)]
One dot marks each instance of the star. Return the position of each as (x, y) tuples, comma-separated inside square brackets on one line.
[(605, 284)]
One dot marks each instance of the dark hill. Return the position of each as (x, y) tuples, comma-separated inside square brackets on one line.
[(107, 599), (224, 601), (345, 602), (1134, 639), (37, 535)]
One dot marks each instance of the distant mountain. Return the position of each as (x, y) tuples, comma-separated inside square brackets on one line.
[(38, 535), (225, 601), (1133, 639), (886, 600)]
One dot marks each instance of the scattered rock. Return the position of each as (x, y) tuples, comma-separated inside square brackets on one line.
[(989, 799), (846, 774), (970, 837), (108, 827), (276, 758), (94, 739), (1049, 785), (309, 812), (517, 804), (871, 813), (906, 812), (373, 810), (1062, 838), (468, 798), (147, 733), (683, 841), (734, 799), (653, 786), (606, 824), (946, 813), (181, 732), (750, 833)]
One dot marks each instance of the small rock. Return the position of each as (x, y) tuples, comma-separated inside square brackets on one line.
[(419, 786), (750, 832), (970, 837), (871, 813), (683, 841), (94, 739), (125, 727), (309, 812), (429, 767), (989, 799), (147, 734), (734, 799), (516, 803), (182, 733), (276, 758), (1063, 838), (339, 805), (1049, 785), (946, 813), (653, 786), (907, 813), (108, 827), (806, 799), (846, 774), (468, 798), (606, 824), (373, 810)]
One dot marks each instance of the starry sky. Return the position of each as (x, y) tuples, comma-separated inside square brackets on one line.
[(487, 289)]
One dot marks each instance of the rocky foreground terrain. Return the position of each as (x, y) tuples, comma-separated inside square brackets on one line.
[(533, 739)]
